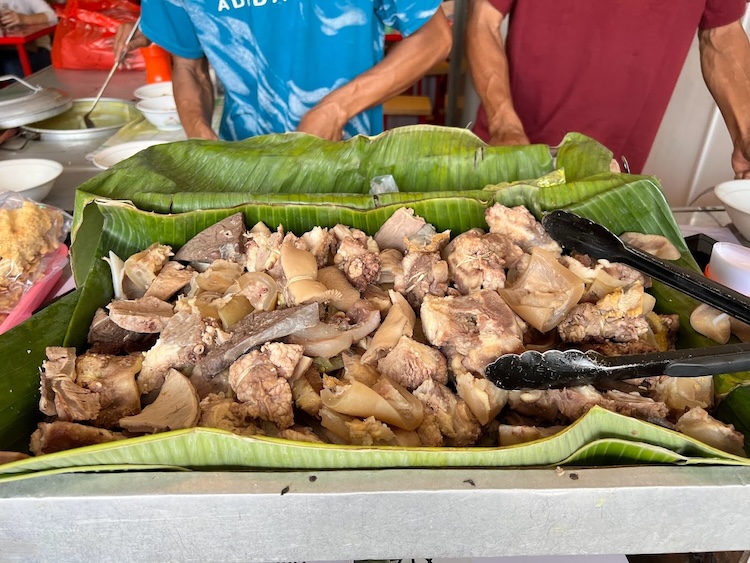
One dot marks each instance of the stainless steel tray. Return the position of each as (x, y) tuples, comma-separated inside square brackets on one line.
[(387, 514)]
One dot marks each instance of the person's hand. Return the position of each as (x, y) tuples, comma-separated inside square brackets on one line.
[(200, 130), (326, 120), (741, 160), (10, 18), (138, 40), (509, 137)]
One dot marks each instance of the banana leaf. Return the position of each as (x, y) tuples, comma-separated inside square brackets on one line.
[(421, 159), (598, 438), (620, 202)]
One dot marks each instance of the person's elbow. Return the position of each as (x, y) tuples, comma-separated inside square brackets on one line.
[(443, 39)]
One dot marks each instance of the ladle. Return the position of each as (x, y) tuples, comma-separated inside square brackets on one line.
[(87, 116)]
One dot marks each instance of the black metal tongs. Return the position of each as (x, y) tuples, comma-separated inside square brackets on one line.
[(555, 368)]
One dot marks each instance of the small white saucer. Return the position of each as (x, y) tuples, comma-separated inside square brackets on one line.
[(108, 157)]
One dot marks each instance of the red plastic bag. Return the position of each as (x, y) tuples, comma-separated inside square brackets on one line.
[(86, 31)]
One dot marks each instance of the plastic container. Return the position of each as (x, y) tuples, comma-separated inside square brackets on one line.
[(730, 266), (158, 64), (35, 296)]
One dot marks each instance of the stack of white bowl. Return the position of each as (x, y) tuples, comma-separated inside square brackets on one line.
[(158, 106)]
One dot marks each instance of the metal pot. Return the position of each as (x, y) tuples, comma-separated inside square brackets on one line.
[(27, 107), (109, 115)]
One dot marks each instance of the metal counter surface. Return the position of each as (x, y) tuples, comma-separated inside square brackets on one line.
[(338, 515), (72, 154)]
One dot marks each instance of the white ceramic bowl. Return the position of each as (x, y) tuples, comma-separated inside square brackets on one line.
[(155, 90), (735, 196), (730, 265), (161, 112), (29, 177)]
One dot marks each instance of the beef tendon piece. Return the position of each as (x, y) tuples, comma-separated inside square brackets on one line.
[(145, 314), (521, 227), (60, 394), (456, 422), (260, 381), (545, 292), (478, 328), (113, 379), (410, 363), (399, 322), (58, 436), (618, 316), (172, 278), (306, 391), (485, 399), (698, 424), (142, 268), (176, 407), (683, 393)]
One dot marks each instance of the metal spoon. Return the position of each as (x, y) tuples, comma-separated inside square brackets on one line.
[(86, 118)]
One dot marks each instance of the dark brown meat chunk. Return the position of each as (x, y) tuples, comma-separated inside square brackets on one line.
[(59, 436)]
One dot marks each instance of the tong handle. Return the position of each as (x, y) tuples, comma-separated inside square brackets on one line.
[(702, 288)]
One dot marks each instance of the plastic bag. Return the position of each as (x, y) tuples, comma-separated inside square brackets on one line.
[(32, 255), (86, 31)]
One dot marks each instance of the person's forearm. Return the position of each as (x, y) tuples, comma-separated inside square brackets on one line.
[(32, 19), (725, 61), (194, 95), (489, 71), (405, 63)]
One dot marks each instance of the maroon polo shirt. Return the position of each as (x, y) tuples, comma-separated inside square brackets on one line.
[(606, 68)]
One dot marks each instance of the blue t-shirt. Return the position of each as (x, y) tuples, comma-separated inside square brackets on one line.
[(278, 58)]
